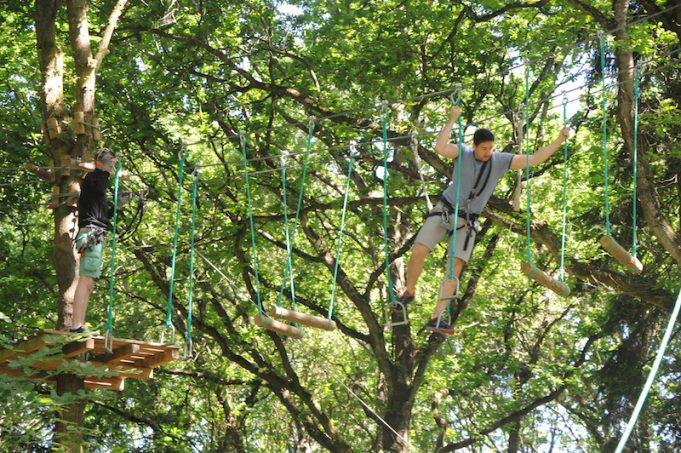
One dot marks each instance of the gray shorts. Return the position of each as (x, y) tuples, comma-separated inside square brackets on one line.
[(438, 226)]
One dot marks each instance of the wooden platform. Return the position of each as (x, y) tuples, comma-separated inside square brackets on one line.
[(51, 351)]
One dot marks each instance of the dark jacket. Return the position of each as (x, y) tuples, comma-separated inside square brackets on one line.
[(93, 207)]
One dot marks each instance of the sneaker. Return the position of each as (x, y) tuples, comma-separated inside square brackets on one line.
[(405, 299), (79, 329), (442, 326)]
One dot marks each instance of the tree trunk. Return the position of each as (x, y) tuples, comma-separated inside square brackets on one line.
[(68, 432), (650, 204), (66, 147)]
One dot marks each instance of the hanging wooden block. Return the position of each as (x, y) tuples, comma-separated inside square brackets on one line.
[(276, 326), (618, 252), (545, 279), (64, 165), (78, 123), (96, 134), (53, 128), (302, 318), (87, 162), (53, 173), (74, 193)]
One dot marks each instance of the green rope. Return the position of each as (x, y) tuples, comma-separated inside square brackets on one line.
[(195, 189), (180, 178), (112, 267), (565, 176), (288, 271), (386, 248), (651, 375), (339, 243), (608, 230), (637, 94), (528, 222), (452, 239), (254, 256), (289, 265)]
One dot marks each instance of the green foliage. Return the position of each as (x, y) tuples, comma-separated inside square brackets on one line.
[(189, 76)]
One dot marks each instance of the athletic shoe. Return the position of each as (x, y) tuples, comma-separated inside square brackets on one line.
[(405, 299), (442, 326), (79, 329)]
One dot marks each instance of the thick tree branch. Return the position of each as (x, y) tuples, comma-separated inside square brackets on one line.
[(103, 49)]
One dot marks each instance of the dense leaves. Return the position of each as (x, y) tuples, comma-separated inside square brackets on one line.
[(525, 370)]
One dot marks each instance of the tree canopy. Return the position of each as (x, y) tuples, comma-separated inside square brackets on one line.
[(525, 369)]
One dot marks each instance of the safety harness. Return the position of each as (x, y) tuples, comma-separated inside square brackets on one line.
[(470, 219), (91, 239)]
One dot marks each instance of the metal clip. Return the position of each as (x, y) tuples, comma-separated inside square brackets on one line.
[(455, 296), (353, 148), (108, 342), (397, 309), (455, 95), (170, 330), (188, 349)]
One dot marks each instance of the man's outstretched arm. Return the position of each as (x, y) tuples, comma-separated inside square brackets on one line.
[(519, 161)]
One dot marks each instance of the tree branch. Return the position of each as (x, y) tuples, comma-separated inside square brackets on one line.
[(103, 49)]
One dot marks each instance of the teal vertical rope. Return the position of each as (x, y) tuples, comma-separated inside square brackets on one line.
[(249, 201), (452, 239), (637, 94), (528, 222), (339, 243), (112, 267), (190, 305), (608, 229), (651, 375), (288, 270), (386, 248), (171, 285), (565, 177)]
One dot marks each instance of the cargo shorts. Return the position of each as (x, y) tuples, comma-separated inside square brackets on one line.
[(91, 259), (439, 225)]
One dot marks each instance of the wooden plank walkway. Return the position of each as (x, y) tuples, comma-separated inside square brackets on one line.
[(50, 351)]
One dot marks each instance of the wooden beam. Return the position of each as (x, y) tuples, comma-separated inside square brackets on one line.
[(159, 359), (27, 346), (117, 384), (133, 372), (77, 348), (119, 354)]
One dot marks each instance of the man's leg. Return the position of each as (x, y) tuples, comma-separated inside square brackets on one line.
[(448, 287), (80, 300), (415, 267)]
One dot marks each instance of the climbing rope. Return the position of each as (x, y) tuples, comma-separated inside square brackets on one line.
[(288, 270), (189, 350), (452, 243), (291, 237), (565, 177), (528, 207), (386, 248), (108, 338), (249, 202), (637, 95), (605, 136), (169, 312), (651, 376), (339, 243)]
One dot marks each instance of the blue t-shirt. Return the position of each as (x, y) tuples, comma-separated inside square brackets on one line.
[(478, 179)]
